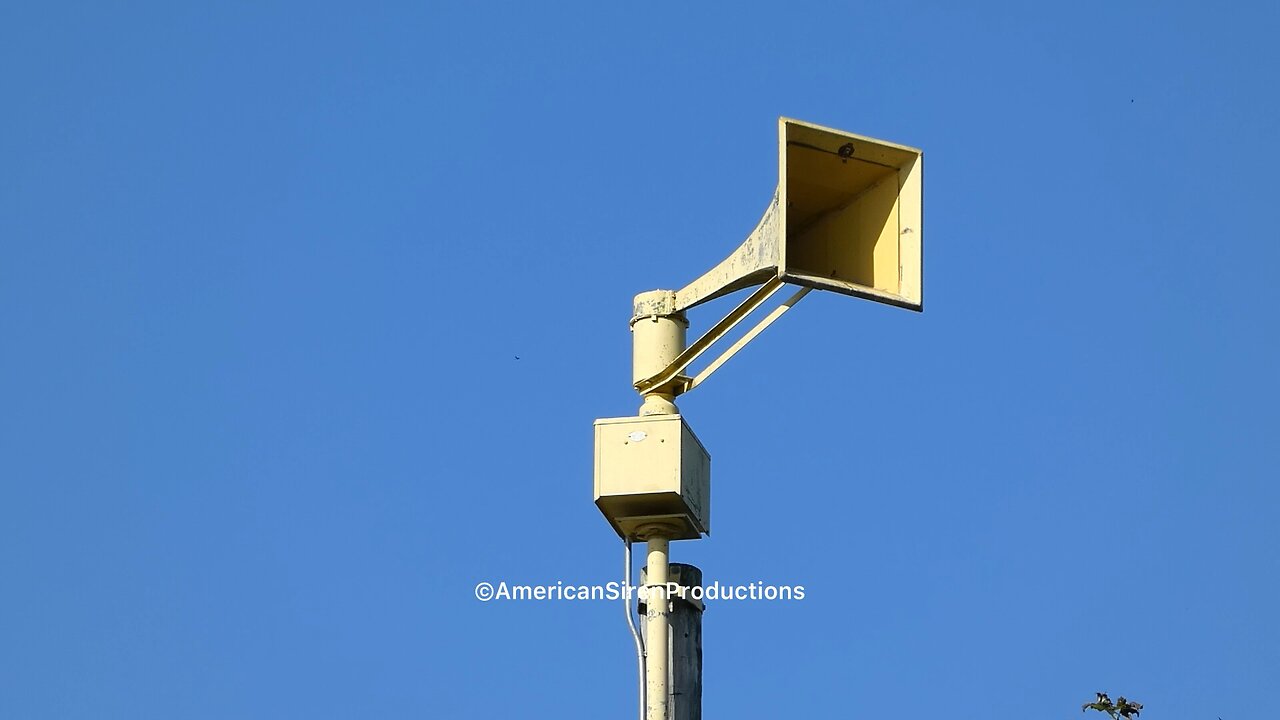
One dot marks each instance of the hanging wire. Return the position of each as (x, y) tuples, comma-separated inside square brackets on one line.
[(631, 623)]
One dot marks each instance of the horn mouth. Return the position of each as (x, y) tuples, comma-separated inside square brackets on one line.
[(845, 217), (852, 214)]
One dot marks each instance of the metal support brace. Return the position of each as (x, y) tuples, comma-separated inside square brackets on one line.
[(765, 322), (671, 377)]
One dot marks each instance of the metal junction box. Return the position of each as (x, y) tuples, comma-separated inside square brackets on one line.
[(652, 469)]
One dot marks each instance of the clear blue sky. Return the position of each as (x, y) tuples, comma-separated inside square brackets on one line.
[(265, 270)]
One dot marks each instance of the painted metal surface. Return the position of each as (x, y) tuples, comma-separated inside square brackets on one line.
[(750, 335), (651, 471), (846, 216), (668, 379), (657, 630)]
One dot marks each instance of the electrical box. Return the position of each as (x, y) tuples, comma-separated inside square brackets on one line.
[(652, 469)]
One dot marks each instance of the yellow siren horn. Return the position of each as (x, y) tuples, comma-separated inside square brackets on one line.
[(846, 216)]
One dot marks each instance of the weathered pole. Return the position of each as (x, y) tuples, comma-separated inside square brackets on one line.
[(684, 623)]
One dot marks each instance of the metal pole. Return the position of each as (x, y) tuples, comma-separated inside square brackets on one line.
[(658, 338), (657, 642)]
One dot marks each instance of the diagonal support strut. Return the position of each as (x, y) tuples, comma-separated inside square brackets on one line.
[(671, 378)]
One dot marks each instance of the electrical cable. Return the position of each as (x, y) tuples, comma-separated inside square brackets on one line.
[(631, 623)]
